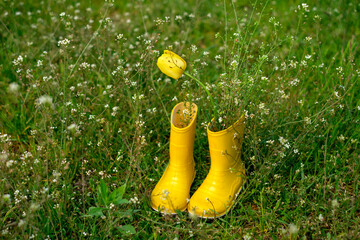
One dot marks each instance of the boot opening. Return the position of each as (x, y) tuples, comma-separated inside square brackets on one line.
[(184, 114)]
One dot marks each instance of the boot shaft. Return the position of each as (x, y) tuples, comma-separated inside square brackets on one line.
[(182, 134), (225, 146)]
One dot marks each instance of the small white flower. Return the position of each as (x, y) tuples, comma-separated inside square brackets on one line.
[(5, 231), (234, 63), (321, 218), (193, 48), (3, 157), (56, 174), (9, 163), (39, 63), (84, 66), (247, 236), (34, 207), (13, 87), (186, 112), (134, 200), (18, 61), (119, 36), (64, 42), (45, 99), (72, 127), (165, 194), (334, 203), (21, 223), (293, 229), (341, 138), (284, 142), (6, 198)]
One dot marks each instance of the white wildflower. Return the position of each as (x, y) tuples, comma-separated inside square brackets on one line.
[(293, 229), (234, 64), (193, 48), (13, 87), (84, 66), (18, 61), (39, 63), (72, 127), (9, 163), (45, 99), (34, 207), (64, 42), (165, 194), (21, 223), (6, 198), (335, 203)]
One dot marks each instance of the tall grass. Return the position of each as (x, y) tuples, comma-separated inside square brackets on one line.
[(83, 101)]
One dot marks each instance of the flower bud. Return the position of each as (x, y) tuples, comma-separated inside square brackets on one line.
[(171, 64)]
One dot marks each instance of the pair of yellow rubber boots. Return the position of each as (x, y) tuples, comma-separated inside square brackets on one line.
[(224, 181)]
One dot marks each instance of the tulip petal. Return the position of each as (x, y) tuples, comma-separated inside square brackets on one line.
[(171, 64)]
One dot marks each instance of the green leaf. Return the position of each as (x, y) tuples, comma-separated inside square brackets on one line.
[(121, 201), (117, 194), (102, 193), (125, 214), (7, 214), (95, 211), (127, 229)]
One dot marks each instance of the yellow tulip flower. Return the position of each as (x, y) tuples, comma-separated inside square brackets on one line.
[(171, 64)]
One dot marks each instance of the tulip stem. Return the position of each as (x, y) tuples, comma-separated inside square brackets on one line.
[(216, 119)]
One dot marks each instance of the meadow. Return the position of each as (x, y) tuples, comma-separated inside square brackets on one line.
[(84, 115)]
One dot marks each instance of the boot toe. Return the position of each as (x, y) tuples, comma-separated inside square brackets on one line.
[(203, 204), (171, 193), (214, 198), (168, 199)]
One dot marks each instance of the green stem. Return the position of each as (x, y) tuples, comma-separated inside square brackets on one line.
[(208, 93)]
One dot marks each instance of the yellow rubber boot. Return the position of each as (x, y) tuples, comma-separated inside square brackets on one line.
[(218, 192), (172, 191)]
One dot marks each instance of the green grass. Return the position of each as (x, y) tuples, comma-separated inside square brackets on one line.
[(296, 77)]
